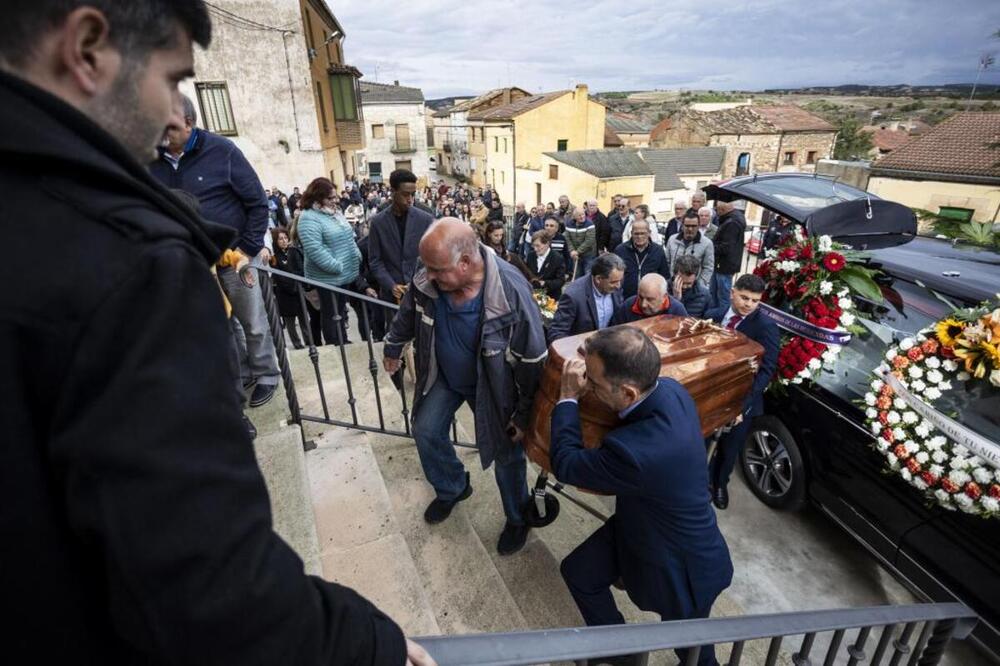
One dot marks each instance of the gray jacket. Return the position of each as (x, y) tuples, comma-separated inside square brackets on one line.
[(392, 259), (512, 351), (701, 248)]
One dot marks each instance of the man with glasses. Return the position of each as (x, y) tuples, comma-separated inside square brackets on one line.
[(617, 222), (641, 257), (693, 243)]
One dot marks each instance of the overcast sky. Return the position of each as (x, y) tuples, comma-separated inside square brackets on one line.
[(456, 48)]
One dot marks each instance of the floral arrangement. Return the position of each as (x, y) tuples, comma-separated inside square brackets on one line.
[(961, 349), (813, 279), (546, 304)]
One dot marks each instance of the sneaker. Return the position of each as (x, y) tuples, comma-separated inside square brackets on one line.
[(251, 430), (440, 509), (512, 539), (248, 384), (262, 394)]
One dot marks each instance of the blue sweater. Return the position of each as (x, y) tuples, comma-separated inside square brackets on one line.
[(332, 256), (214, 170)]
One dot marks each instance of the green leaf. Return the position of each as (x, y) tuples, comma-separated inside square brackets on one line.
[(860, 281)]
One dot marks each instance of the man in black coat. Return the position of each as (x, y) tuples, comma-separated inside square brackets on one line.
[(136, 523), (728, 248), (394, 237), (546, 265), (589, 302), (601, 225), (641, 257), (743, 315), (617, 221)]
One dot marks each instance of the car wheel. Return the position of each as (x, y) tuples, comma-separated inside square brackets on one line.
[(772, 465)]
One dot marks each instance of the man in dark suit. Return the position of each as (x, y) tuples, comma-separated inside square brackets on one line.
[(589, 302), (546, 265), (662, 542), (652, 300), (601, 224), (743, 316), (395, 236)]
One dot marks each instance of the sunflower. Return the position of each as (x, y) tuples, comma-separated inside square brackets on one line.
[(947, 330), (991, 353)]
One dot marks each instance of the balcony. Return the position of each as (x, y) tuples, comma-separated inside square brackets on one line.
[(402, 144)]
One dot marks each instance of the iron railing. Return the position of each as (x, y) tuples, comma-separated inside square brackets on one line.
[(933, 625)]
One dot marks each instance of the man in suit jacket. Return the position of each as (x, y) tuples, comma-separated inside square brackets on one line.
[(589, 302), (546, 265), (652, 300), (743, 315), (662, 542), (395, 237)]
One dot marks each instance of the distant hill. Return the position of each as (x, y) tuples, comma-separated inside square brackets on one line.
[(898, 90)]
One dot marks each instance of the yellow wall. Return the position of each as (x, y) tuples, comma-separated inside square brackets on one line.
[(932, 194), (477, 152), (580, 186)]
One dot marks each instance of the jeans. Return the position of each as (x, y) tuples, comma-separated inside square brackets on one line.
[(722, 285), (442, 468), (583, 267), (256, 348)]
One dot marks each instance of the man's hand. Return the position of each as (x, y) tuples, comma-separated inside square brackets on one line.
[(574, 379), (574, 254), (515, 433), (678, 286), (738, 420), (264, 255), (371, 292), (398, 291), (391, 365), (417, 656)]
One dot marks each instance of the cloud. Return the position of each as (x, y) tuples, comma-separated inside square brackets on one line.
[(447, 48)]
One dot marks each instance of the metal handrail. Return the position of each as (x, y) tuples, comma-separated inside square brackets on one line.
[(941, 623)]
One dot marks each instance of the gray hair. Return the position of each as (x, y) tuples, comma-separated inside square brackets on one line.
[(606, 263), (659, 280), (629, 357), (462, 244), (189, 111), (704, 209), (680, 202), (686, 264)]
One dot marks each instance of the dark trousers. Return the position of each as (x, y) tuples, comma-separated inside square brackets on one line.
[(293, 324), (727, 452), (315, 324), (333, 304), (593, 567)]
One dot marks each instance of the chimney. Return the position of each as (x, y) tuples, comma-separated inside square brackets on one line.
[(396, 82), (506, 96), (582, 89)]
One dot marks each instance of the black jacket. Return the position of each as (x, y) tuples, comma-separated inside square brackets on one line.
[(729, 242), (603, 228), (286, 289), (393, 260), (552, 275), (136, 523), (652, 260)]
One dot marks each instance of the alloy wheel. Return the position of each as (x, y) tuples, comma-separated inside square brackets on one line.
[(769, 465)]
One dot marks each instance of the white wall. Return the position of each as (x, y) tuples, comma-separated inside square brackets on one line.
[(379, 150)]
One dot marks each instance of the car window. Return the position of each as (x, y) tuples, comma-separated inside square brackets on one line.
[(804, 194)]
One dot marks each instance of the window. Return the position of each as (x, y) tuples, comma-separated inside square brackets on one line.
[(553, 172), (216, 111), (375, 168), (378, 131), (811, 157), (403, 137), (404, 164), (493, 176), (496, 144), (957, 214), (322, 106), (743, 164), (789, 158), (505, 145), (562, 144), (345, 105), (309, 31)]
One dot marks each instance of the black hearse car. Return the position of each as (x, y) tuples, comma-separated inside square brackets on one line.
[(811, 446)]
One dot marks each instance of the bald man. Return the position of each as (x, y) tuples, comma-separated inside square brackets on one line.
[(652, 300), (476, 311)]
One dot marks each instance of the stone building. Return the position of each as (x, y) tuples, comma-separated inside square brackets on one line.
[(395, 131), (756, 138), (275, 81), (631, 131)]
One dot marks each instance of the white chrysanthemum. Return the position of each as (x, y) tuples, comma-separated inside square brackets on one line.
[(770, 254), (898, 433), (919, 483), (843, 292), (815, 364), (894, 418), (876, 427), (922, 457), (962, 499), (830, 355), (960, 451), (944, 386), (942, 496), (907, 344), (937, 441), (919, 385), (911, 446), (825, 288), (881, 444), (922, 429), (936, 470), (963, 376), (899, 403), (909, 418), (958, 462), (797, 380), (891, 354), (845, 303), (871, 412), (959, 477), (939, 456), (915, 371), (982, 475), (989, 503), (847, 319), (932, 393), (935, 376), (804, 373), (877, 385), (932, 362), (825, 244), (950, 365), (893, 460), (905, 473)]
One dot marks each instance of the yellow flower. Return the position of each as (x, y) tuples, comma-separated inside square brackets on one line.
[(947, 330), (973, 355), (991, 353)]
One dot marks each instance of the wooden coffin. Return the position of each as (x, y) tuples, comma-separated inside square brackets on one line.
[(715, 365)]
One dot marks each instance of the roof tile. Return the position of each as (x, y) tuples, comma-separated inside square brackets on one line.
[(959, 146)]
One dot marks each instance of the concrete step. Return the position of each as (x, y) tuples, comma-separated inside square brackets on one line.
[(282, 462), (361, 544)]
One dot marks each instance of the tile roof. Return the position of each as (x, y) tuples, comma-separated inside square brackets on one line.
[(608, 163), (670, 163), (612, 140), (887, 139), (621, 122), (958, 147), (380, 93), (755, 120), (475, 101), (516, 108)]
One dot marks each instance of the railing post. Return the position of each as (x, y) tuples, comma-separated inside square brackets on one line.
[(278, 336), (313, 353), (341, 333), (936, 644)]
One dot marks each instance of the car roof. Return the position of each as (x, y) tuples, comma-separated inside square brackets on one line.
[(793, 195), (965, 272)]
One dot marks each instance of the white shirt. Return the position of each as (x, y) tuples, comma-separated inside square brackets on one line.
[(541, 260), (730, 313)]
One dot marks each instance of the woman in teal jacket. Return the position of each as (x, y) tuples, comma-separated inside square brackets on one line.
[(331, 254)]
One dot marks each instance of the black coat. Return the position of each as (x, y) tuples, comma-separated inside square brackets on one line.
[(393, 260), (765, 332), (729, 242), (653, 260), (136, 523), (603, 231), (286, 289), (577, 309), (552, 274)]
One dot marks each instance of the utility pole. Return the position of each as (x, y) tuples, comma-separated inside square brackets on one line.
[(985, 61)]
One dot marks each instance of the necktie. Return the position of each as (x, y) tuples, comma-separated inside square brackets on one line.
[(733, 322)]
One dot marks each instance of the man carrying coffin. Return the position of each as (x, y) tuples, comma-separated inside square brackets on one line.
[(663, 541)]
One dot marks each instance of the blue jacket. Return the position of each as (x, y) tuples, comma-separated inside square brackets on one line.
[(629, 311), (653, 260), (332, 256), (764, 332), (654, 463), (394, 260), (215, 170), (696, 300), (577, 309)]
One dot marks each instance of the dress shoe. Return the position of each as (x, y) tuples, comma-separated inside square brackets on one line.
[(720, 498), (440, 509), (262, 394), (512, 539)]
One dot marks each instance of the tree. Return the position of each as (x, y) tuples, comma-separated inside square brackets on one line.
[(852, 142)]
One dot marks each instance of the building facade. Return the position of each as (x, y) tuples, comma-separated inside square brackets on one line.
[(275, 82), (395, 122)]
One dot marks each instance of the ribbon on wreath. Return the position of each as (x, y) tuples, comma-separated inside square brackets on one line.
[(803, 328), (987, 450)]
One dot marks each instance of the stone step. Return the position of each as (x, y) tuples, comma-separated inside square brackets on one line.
[(282, 463), (360, 541)]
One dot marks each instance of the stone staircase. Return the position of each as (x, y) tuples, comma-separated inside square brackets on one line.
[(367, 494)]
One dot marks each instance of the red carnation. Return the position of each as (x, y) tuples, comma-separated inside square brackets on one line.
[(995, 491), (834, 262), (973, 490), (886, 390), (915, 354), (949, 485), (883, 418), (929, 478), (888, 436), (913, 466), (930, 346), (806, 252), (884, 402), (900, 452), (901, 363), (947, 352)]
